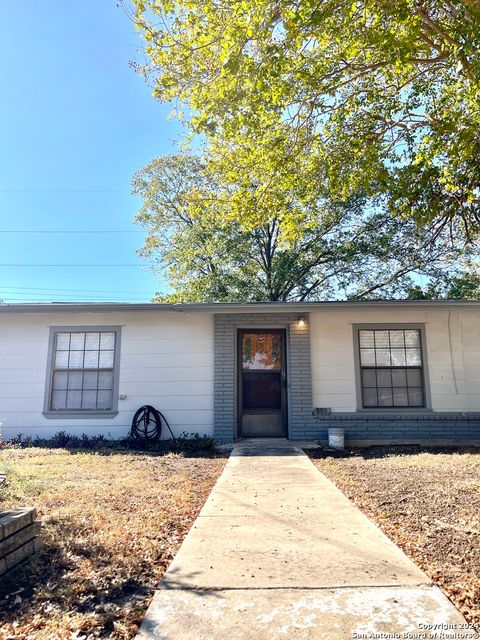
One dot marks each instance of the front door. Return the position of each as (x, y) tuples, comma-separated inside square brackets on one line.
[(262, 383)]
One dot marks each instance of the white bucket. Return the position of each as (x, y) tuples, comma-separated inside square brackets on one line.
[(336, 438)]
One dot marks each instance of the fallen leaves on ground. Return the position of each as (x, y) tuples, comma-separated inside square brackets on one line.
[(111, 524), (428, 502)]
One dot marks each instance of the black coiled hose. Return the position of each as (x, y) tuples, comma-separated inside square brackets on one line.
[(147, 426)]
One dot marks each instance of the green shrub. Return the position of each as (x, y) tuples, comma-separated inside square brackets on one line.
[(194, 442), (190, 443)]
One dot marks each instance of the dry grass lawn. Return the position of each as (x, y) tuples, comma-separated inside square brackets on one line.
[(428, 502), (111, 525)]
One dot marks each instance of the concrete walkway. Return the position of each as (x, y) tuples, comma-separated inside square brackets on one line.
[(278, 552)]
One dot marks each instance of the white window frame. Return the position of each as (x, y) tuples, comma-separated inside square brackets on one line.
[(48, 412), (427, 407)]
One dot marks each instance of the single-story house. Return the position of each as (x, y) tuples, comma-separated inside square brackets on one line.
[(387, 372)]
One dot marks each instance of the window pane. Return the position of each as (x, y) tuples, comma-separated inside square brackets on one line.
[(105, 380), (74, 399), (76, 360), (382, 340), (59, 399), (385, 397), (104, 399), (77, 341), (384, 378), (89, 400), (383, 357), (369, 378), (397, 339), (63, 341), (92, 341), (414, 377), (399, 377), (367, 357), (369, 397), (90, 380), (75, 380), (400, 397), (261, 351), (61, 360), (412, 338), (91, 360), (415, 398), (414, 357), (60, 380), (107, 341), (106, 359), (398, 357), (366, 340)]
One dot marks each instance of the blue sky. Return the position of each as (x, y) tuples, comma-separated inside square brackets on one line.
[(75, 123)]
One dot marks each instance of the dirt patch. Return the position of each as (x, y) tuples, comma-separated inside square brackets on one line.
[(111, 525), (428, 502)]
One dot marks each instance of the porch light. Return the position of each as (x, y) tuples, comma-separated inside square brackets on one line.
[(301, 321)]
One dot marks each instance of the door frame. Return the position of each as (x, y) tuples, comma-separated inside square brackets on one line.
[(284, 379)]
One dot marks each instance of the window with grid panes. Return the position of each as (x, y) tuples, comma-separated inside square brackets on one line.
[(391, 368), (83, 369)]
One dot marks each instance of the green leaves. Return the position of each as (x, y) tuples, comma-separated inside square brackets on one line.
[(286, 247), (370, 95)]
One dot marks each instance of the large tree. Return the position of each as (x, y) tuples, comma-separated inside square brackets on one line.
[(374, 96), (341, 250)]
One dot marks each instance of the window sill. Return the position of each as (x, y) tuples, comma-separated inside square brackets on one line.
[(79, 414), (394, 410)]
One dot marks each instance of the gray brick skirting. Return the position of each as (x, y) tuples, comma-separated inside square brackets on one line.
[(370, 428)]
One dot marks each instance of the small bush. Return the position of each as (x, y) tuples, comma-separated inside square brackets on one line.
[(194, 442), (190, 443), (63, 440)]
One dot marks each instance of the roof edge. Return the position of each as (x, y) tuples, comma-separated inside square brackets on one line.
[(220, 307)]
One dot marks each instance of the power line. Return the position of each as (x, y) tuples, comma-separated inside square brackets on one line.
[(88, 190), (2, 287), (24, 294), (73, 265), (71, 298), (75, 301), (79, 299), (72, 231)]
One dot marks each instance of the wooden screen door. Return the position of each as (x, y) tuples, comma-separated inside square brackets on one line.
[(262, 383)]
